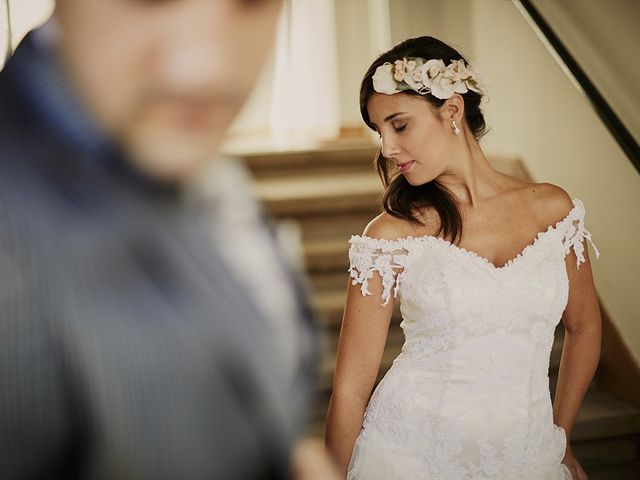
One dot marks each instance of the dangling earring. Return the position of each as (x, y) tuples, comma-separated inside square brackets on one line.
[(456, 130)]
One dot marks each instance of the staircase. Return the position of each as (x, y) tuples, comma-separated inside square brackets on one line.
[(334, 193)]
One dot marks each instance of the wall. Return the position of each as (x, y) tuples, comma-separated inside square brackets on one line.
[(25, 14), (448, 20), (604, 40)]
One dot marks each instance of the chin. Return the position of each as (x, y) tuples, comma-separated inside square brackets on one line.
[(415, 181), (170, 162), (169, 149)]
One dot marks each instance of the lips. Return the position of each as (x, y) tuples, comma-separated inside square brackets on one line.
[(403, 167)]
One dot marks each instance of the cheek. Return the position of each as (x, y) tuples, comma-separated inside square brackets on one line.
[(420, 145), (248, 44), (110, 76), (430, 144)]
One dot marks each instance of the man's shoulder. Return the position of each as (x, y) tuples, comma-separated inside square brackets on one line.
[(29, 198)]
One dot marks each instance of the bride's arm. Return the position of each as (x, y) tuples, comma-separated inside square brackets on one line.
[(361, 344), (582, 340)]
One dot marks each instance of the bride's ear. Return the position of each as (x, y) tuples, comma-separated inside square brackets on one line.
[(453, 108)]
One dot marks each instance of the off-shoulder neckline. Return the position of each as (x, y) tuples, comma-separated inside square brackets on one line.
[(402, 242)]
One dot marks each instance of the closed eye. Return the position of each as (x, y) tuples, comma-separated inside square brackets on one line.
[(400, 128)]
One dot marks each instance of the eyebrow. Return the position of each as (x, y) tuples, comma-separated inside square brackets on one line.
[(392, 116), (389, 117)]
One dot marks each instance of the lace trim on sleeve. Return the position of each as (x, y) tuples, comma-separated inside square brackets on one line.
[(576, 233), (369, 255)]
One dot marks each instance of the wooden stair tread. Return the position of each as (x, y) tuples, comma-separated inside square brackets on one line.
[(327, 254), (331, 281), (355, 154), (326, 185), (329, 301), (602, 415), (317, 227)]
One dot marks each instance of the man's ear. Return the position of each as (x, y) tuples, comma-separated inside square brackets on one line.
[(453, 108)]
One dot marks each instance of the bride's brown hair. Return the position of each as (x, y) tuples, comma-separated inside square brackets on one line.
[(400, 198)]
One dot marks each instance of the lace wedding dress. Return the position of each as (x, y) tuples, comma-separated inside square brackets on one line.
[(468, 397)]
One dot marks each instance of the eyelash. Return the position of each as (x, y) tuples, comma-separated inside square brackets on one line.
[(399, 129)]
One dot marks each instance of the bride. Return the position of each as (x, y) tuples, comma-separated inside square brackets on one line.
[(484, 267)]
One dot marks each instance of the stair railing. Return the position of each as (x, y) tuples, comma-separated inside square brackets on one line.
[(581, 80)]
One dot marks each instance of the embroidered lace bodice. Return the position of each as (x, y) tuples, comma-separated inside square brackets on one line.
[(468, 396)]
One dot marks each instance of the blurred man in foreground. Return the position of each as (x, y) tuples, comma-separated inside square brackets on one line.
[(135, 338)]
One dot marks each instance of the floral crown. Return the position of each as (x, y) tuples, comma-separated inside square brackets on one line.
[(425, 76)]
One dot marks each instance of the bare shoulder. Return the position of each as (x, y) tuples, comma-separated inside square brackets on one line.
[(387, 227), (551, 202)]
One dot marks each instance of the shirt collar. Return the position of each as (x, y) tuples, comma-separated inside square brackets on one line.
[(51, 96)]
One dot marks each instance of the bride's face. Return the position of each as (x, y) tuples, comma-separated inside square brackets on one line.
[(414, 136)]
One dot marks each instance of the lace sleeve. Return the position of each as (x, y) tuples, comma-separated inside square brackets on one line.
[(369, 255), (576, 233)]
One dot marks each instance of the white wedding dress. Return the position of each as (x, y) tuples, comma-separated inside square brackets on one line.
[(468, 397)]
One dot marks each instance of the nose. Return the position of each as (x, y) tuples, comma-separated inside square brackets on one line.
[(389, 147), (198, 47)]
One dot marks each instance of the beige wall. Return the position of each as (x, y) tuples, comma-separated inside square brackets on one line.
[(25, 14), (354, 56), (604, 39), (448, 20), (363, 32), (536, 113)]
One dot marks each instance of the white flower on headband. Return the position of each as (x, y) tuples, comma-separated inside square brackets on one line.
[(430, 76), (383, 81)]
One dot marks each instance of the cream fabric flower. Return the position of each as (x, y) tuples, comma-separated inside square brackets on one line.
[(383, 81), (434, 78)]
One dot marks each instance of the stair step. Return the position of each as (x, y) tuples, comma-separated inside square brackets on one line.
[(628, 470), (603, 416), (299, 195), (395, 338), (356, 155), (327, 255), (329, 281), (337, 225), (330, 305), (610, 458)]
